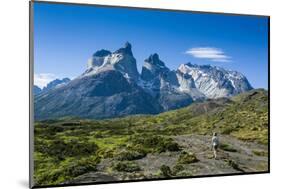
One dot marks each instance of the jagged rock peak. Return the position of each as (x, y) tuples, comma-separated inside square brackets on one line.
[(154, 59), (101, 53), (56, 83), (153, 67), (189, 64), (128, 45), (127, 49)]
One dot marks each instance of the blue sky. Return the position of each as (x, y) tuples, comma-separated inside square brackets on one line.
[(65, 36)]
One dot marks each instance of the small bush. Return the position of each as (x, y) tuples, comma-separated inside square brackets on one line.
[(260, 153), (227, 147), (155, 143), (168, 146), (177, 168), (233, 164), (98, 135), (70, 168), (250, 135), (62, 149), (187, 158), (165, 171), (71, 124), (126, 166), (137, 148), (81, 166), (106, 153), (228, 130), (130, 155)]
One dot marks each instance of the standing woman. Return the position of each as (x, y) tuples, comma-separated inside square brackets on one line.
[(215, 144)]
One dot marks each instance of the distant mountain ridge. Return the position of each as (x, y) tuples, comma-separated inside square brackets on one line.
[(111, 86), (36, 90), (51, 85)]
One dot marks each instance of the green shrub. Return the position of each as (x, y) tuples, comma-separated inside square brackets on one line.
[(187, 158), (71, 123), (155, 143), (106, 153), (177, 168), (126, 166), (130, 155), (227, 130), (165, 171), (62, 149), (227, 147), (250, 135), (260, 153), (81, 166), (47, 173), (98, 134), (233, 164), (150, 141), (168, 145)]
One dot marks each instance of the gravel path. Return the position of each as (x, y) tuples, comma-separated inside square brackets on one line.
[(244, 157)]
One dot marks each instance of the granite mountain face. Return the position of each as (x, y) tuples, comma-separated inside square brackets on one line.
[(111, 86), (164, 84), (121, 60), (216, 82)]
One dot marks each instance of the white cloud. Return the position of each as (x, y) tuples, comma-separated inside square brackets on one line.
[(42, 79), (210, 53)]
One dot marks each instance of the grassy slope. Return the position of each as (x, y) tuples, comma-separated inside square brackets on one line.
[(69, 147)]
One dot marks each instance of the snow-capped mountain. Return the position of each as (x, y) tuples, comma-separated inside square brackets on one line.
[(215, 82), (111, 86)]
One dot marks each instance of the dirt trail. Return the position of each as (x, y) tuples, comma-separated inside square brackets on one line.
[(239, 157), (243, 156)]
